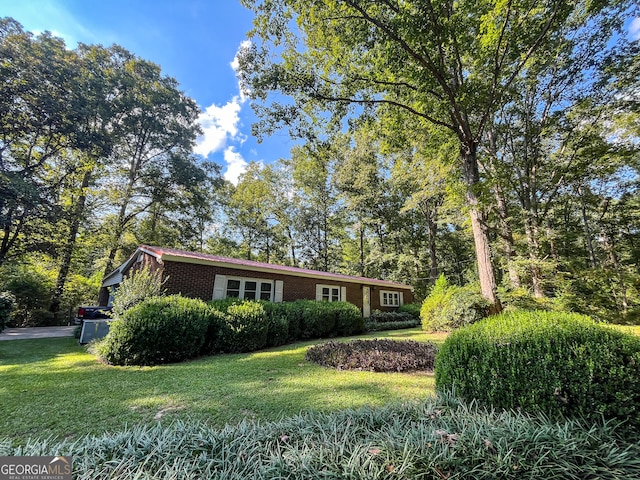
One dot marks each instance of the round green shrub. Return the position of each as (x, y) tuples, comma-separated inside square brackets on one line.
[(328, 319), (318, 320), (545, 361), (245, 328), (412, 309), (349, 319), (157, 330), (449, 307)]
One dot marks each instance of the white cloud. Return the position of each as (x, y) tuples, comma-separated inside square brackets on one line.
[(236, 165), (235, 64), (634, 29), (219, 124)]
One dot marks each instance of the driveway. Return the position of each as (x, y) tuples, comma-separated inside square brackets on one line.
[(36, 332)]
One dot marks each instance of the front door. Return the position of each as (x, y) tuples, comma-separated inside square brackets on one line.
[(366, 302)]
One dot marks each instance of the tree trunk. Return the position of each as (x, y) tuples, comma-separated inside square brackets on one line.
[(361, 232), (112, 252), (67, 252), (613, 258), (552, 240), (507, 237), (294, 262), (593, 261), (268, 246), (120, 223), (531, 230), (486, 273), (9, 239), (432, 225)]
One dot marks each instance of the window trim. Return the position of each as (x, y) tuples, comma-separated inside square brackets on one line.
[(341, 292), (397, 296)]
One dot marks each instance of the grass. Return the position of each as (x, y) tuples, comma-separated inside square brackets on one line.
[(436, 438), (632, 329), (54, 388)]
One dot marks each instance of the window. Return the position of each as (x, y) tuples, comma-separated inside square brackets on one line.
[(249, 289), (389, 299), (233, 288), (329, 293), (265, 291)]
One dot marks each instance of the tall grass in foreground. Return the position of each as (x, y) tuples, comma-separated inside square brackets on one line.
[(435, 439)]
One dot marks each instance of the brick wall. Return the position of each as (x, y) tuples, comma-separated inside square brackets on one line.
[(194, 280)]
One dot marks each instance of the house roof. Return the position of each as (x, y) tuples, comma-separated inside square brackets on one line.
[(175, 255)]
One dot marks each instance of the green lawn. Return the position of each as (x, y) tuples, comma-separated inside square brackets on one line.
[(633, 329), (53, 387)]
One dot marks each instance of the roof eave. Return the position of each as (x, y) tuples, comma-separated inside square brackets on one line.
[(267, 269)]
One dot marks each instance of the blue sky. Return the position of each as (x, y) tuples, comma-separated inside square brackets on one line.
[(194, 41)]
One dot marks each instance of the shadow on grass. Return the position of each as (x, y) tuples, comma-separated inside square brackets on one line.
[(54, 387)]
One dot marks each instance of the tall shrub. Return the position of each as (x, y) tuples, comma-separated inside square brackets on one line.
[(136, 287), (7, 302), (449, 306), (434, 302), (547, 361), (31, 287)]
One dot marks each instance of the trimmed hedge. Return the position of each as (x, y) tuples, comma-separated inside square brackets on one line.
[(557, 363), (391, 321), (307, 319), (283, 322), (171, 329), (412, 309), (158, 330), (245, 328)]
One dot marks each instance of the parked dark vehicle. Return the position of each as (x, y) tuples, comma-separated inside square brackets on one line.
[(92, 313)]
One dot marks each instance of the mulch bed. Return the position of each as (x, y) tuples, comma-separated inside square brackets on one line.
[(375, 355)]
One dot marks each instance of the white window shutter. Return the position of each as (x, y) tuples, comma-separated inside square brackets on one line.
[(343, 294), (318, 292), (401, 298), (277, 294), (219, 285)]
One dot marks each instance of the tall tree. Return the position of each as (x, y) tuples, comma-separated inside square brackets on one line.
[(38, 121), (550, 136), (319, 220), (450, 63), (97, 88), (251, 213), (157, 125), (358, 177)]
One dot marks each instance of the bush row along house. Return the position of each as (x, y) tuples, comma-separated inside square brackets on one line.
[(199, 275)]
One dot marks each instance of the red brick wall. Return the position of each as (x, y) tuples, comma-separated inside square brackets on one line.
[(194, 280)]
